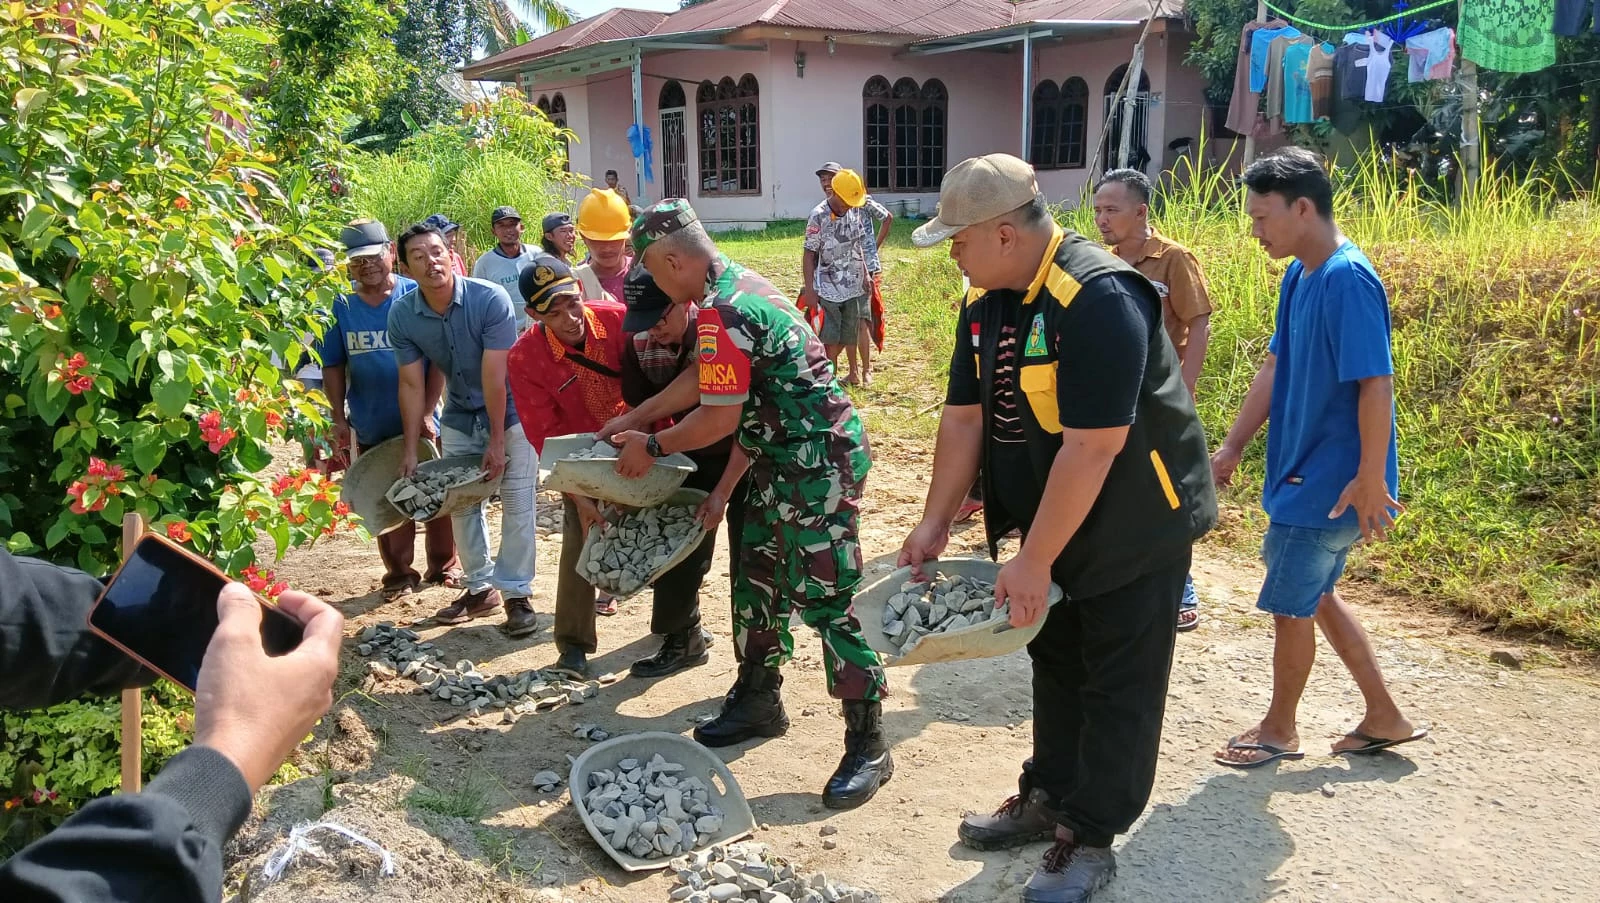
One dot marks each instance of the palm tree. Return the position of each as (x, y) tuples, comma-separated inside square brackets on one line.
[(504, 22)]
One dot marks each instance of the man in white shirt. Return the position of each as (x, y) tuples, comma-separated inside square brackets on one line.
[(503, 264)]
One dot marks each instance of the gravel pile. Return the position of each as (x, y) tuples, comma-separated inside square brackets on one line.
[(944, 605), (398, 652), (649, 810), (626, 555), (749, 873), (420, 495)]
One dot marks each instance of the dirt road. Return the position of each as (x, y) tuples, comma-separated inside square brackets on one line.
[(1496, 805)]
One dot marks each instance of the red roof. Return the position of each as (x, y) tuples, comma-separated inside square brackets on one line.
[(919, 18), (611, 25), (913, 19)]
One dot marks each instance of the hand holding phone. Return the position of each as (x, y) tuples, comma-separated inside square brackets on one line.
[(253, 707)]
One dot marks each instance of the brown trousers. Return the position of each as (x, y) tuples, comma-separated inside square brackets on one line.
[(398, 549)]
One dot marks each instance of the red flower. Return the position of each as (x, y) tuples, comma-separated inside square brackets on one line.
[(274, 419), (80, 385), (179, 531), (219, 441), (182, 203), (277, 588), (50, 311), (239, 240), (341, 509), (287, 508), (210, 420)]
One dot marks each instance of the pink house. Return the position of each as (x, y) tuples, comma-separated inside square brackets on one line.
[(745, 98)]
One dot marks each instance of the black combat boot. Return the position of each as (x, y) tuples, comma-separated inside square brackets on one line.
[(866, 765), (678, 651), (753, 708)]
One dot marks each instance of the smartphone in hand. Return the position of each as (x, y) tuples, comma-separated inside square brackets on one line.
[(161, 608)]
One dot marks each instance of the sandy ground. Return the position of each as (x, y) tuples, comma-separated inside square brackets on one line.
[(1495, 805)]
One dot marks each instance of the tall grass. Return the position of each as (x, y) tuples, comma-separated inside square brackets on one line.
[(1496, 311)]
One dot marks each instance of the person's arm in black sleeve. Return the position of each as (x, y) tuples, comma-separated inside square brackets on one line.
[(47, 654), (963, 387), (163, 844)]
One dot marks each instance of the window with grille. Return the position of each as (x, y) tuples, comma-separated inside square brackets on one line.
[(1138, 153), (730, 136), (1060, 125), (558, 117), (905, 128)]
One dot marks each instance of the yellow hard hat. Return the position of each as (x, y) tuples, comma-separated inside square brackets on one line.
[(847, 187), (603, 216)]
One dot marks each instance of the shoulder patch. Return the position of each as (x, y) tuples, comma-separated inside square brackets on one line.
[(1061, 285)]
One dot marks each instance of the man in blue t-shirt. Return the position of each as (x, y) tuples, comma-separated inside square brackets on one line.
[(362, 381), (1327, 390)]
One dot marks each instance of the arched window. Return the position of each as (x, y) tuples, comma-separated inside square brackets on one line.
[(1139, 154), (558, 118), (674, 156), (730, 136), (1060, 119), (906, 134), (544, 104)]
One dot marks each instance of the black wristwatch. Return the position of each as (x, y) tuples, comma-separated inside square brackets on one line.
[(653, 446)]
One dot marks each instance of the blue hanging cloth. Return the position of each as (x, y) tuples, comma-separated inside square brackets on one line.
[(640, 145)]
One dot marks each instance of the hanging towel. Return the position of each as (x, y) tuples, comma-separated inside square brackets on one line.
[(1275, 80), (1297, 83), (1509, 35), (1319, 72), (1432, 55), (1378, 66), (1260, 42), (1244, 115), (1570, 15)]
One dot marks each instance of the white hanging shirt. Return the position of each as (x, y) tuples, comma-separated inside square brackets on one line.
[(1378, 65)]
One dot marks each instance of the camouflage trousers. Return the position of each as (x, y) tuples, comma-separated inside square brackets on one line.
[(801, 550)]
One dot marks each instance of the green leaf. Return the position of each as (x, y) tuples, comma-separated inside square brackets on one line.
[(64, 436), (253, 456), (58, 532), (149, 448), (279, 531), (167, 363), (98, 325), (19, 543), (37, 220), (171, 395), (25, 100)]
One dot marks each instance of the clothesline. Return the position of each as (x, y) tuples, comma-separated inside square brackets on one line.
[(1361, 26)]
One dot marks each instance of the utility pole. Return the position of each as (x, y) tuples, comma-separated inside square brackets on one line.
[(1471, 151), (1130, 100), (1250, 139)]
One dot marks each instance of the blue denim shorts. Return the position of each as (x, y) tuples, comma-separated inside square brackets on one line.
[(1303, 564)]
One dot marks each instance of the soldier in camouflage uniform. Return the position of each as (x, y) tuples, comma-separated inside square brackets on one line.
[(764, 376)]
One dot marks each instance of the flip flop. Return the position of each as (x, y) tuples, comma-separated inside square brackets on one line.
[(1193, 621), (1371, 744), (1274, 753)]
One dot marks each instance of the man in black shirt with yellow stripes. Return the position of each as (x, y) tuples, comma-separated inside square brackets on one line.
[(1066, 390)]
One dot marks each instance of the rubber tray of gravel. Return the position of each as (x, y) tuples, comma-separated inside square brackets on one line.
[(656, 554), (597, 478), (697, 761), (977, 641)]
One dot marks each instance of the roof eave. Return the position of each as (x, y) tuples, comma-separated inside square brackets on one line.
[(1008, 34)]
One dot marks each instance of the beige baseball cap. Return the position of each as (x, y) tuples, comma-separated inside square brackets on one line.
[(976, 190)]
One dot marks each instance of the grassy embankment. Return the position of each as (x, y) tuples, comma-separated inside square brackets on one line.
[(1496, 309)]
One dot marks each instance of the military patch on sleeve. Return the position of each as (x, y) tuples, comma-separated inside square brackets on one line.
[(1036, 346)]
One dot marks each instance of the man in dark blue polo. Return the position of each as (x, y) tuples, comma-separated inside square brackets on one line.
[(465, 327)]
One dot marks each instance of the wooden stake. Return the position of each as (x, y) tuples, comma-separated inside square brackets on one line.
[(132, 698)]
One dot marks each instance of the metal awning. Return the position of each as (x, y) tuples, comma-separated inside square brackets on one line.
[(1024, 31), (606, 56)]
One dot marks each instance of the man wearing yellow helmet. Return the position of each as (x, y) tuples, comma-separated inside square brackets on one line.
[(839, 246), (603, 222)]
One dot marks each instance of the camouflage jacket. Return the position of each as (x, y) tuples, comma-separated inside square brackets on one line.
[(756, 350)]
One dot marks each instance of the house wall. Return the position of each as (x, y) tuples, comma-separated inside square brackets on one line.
[(820, 116)]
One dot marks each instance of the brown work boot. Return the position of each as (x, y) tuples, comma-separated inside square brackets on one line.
[(520, 618), (1024, 818), (468, 606)]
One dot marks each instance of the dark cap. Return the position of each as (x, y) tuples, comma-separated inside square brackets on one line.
[(544, 279), (442, 223), (660, 220), (828, 168), (554, 221), (501, 213), (364, 238), (647, 303)]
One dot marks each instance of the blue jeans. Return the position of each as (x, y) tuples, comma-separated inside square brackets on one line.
[(1303, 564), (510, 572)]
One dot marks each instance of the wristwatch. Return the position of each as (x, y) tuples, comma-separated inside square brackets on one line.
[(653, 446)]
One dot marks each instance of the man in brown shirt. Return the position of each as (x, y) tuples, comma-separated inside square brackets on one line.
[(1122, 214)]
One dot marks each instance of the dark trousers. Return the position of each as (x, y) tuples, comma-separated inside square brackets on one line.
[(675, 605), (1100, 668), (398, 549)]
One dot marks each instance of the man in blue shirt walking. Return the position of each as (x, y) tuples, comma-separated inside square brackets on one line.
[(360, 374), (465, 328), (1332, 476)]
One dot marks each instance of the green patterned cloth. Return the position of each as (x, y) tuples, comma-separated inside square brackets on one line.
[(1508, 35)]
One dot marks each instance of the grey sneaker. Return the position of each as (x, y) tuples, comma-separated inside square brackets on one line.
[(1070, 873)]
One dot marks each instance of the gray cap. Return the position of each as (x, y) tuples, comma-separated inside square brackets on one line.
[(364, 238), (829, 168)]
